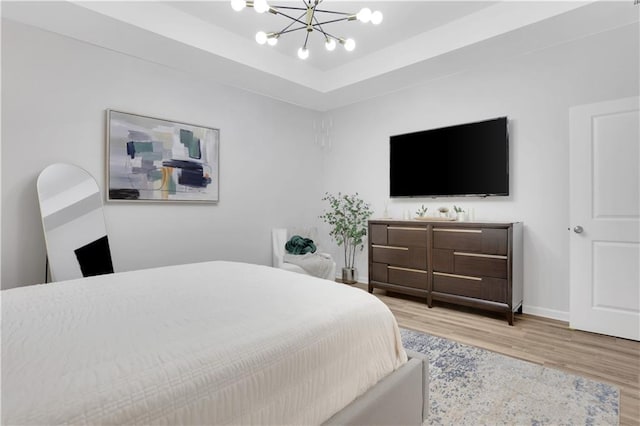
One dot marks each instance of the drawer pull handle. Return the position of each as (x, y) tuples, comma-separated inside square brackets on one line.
[(468, 231), (405, 228), (407, 269), (389, 247), (490, 256), (464, 277)]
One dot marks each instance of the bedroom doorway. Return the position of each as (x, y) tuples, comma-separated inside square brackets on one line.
[(604, 218)]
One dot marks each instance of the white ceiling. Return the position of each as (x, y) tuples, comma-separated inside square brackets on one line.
[(402, 20), (418, 40)]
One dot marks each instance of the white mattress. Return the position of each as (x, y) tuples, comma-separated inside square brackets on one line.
[(209, 343)]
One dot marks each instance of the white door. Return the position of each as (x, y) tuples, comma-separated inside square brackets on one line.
[(604, 218)]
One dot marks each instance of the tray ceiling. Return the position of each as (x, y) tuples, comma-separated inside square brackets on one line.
[(417, 41)]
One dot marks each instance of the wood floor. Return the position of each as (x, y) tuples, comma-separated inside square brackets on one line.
[(540, 340)]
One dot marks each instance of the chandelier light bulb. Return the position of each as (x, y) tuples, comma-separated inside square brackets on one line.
[(238, 5), (260, 6), (330, 44), (303, 53), (314, 21), (261, 37), (349, 44), (364, 15), (376, 17)]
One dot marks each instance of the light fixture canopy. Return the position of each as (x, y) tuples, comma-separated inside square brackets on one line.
[(308, 19)]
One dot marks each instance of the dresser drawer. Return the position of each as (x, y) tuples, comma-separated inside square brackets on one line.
[(407, 277), (378, 234), (379, 272), (443, 260), (481, 240), (493, 289), (407, 236), (480, 264), (477, 264), (408, 257)]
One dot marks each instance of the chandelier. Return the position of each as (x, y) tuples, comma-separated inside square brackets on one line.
[(311, 19)]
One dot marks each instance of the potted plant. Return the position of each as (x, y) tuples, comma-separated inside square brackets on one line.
[(347, 216), (422, 211), (460, 213)]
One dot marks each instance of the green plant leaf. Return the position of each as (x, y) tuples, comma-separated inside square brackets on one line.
[(348, 218)]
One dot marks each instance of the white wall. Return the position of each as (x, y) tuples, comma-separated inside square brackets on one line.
[(55, 91), (535, 91)]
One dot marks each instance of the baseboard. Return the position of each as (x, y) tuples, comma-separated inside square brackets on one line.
[(527, 309), (547, 313)]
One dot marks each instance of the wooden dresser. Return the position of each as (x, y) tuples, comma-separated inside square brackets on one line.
[(476, 264)]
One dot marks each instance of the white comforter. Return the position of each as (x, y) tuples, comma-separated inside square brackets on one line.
[(209, 343)]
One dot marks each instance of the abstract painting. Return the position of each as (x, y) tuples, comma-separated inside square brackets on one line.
[(151, 159)]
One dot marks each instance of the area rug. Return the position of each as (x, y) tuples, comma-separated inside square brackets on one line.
[(472, 386)]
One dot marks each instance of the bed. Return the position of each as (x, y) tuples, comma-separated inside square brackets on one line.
[(207, 343)]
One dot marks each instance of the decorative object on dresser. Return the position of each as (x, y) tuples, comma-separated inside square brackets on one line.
[(422, 211), (477, 264), (444, 211), (348, 220), (461, 215)]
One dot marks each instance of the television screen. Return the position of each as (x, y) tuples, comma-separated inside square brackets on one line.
[(467, 159)]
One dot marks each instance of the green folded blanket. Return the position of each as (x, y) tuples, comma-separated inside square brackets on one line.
[(300, 245)]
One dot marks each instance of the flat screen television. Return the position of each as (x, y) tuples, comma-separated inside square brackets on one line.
[(469, 159)]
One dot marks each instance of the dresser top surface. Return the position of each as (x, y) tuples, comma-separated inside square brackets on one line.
[(439, 222)]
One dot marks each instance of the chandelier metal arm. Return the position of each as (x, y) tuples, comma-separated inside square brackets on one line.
[(326, 34), (329, 35), (333, 20), (294, 20), (290, 31), (289, 7), (334, 12), (306, 39), (309, 20), (276, 10), (317, 23)]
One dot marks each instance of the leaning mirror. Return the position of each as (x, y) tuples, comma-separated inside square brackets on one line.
[(73, 223)]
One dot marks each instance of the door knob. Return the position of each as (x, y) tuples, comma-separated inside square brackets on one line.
[(578, 229)]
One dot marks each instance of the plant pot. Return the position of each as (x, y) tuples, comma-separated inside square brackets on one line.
[(349, 275), (462, 217)]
